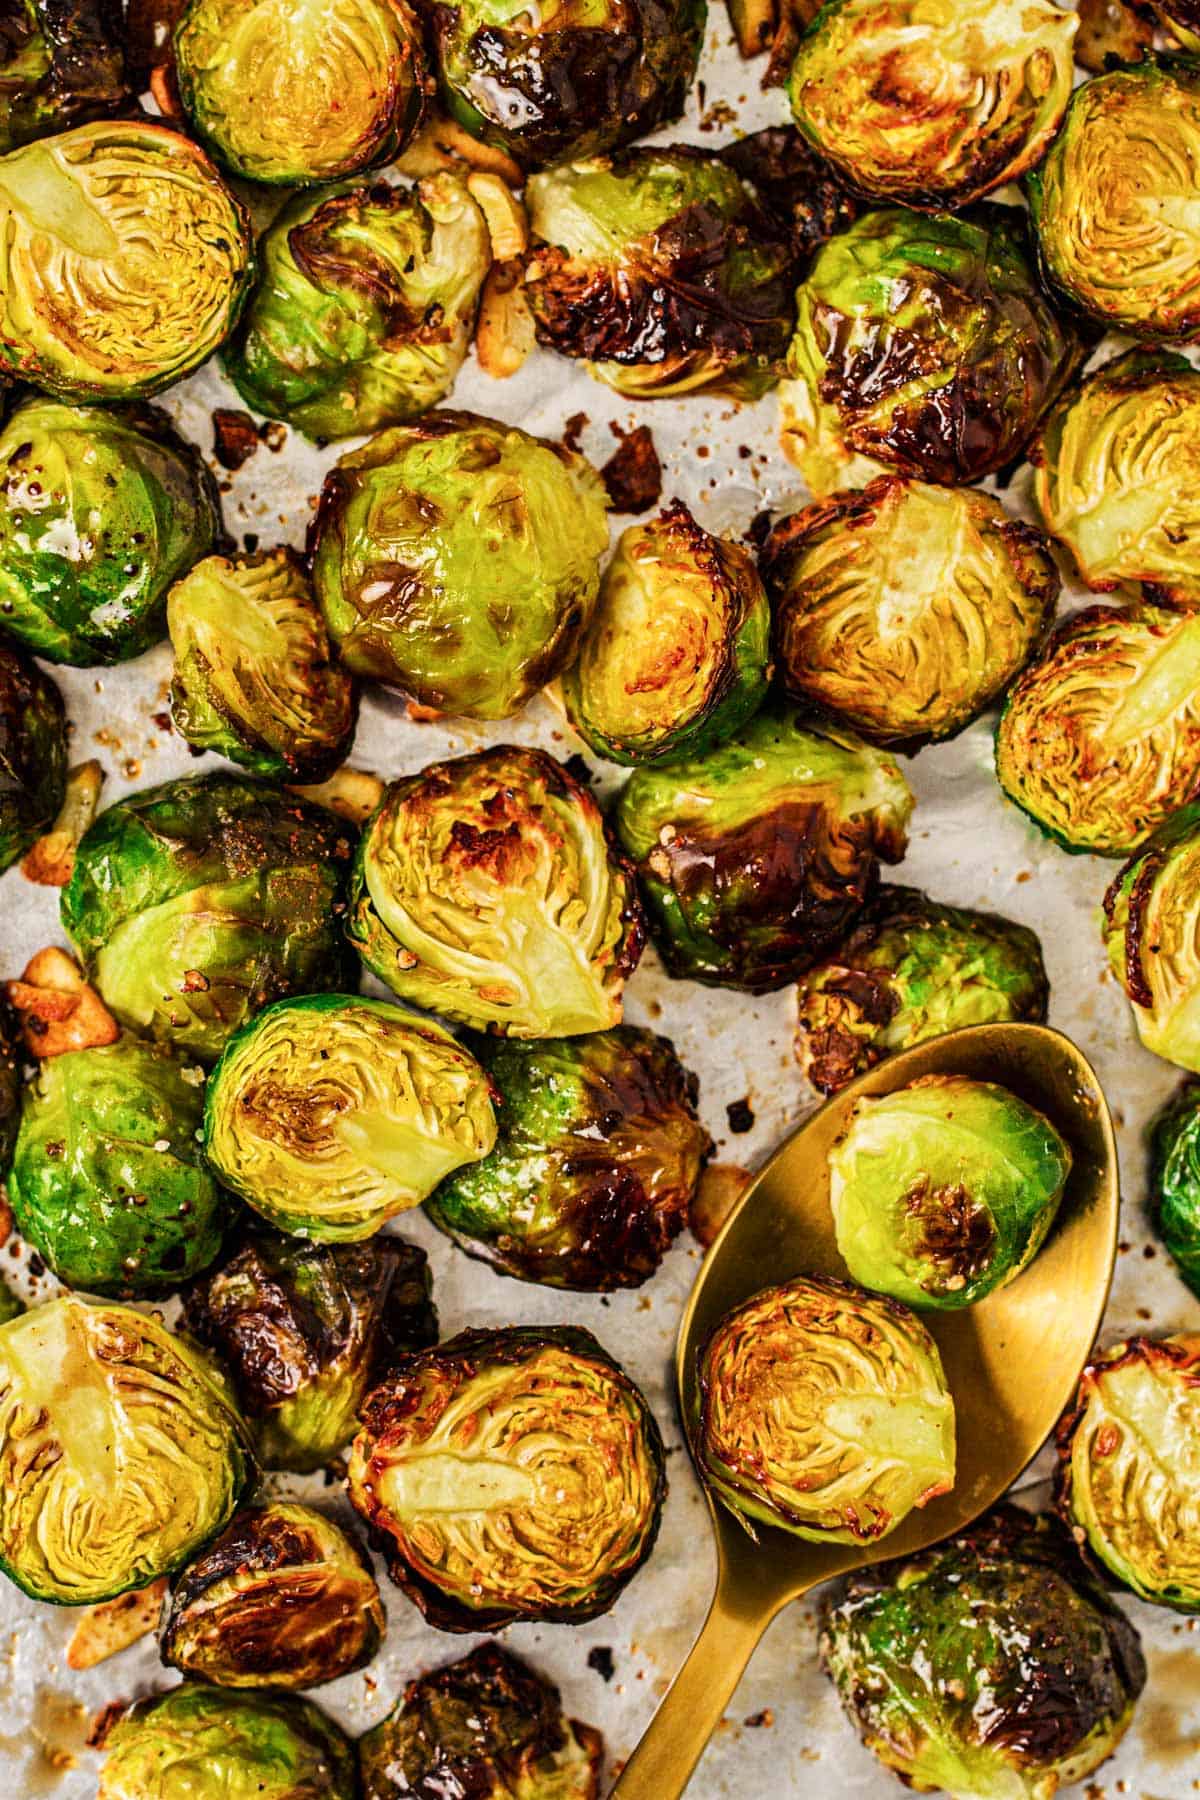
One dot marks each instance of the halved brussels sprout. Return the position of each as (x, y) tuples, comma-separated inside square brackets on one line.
[(333, 1113), (120, 1451), (364, 311), (198, 1740), (1112, 203), (922, 343), (1099, 740), (60, 63), (124, 261), (33, 746), (1150, 935), (824, 1411), (754, 859), (487, 1725), (100, 510), (662, 270), (196, 903), (254, 679), (991, 1665), (933, 104), (485, 889), (107, 1179), (599, 1154), (283, 1598), (1129, 1466), (305, 1329), (459, 560), (1174, 1179), (905, 609), (910, 970), (513, 1474)]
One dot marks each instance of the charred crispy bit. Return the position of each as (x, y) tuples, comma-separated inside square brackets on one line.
[(633, 474), (50, 861), (235, 437), (112, 1626), (56, 1008), (720, 1188)]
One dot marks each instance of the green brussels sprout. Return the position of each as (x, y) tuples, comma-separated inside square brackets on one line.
[(945, 1190), (33, 748), (1099, 740), (599, 1154), (10, 1089), (1110, 204), (991, 1665), (107, 1181), (60, 63), (459, 560), (1175, 1179), (125, 261), (1129, 1466), (486, 1725), (254, 679), (485, 889), (364, 313), (100, 511), (300, 91), (120, 1451), (662, 270), (1149, 933), (905, 609), (305, 1330), (512, 1474), (754, 859), (924, 344), (911, 970), (196, 903), (284, 1598), (824, 1411), (198, 1740), (933, 104)]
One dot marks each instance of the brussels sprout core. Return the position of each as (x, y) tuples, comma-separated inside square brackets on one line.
[(1150, 935), (1175, 1180), (33, 746), (197, 1740)]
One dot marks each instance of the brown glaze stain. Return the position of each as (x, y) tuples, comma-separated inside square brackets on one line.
[(1172, 1693)]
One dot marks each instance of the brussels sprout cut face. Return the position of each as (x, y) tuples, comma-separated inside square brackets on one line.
[(199, 1740), (924, 344), (755, 858), (1175, 1180), (991, 1665), (459, 559), (824, 1411), (59, 64), (485, 890), (1150, 934), (253, 675), (516, 1474), (364, 312), (1129, 1466), (904, 610), (124, 260), (99, 512), (1099, 741), (120, 1453), (33, 749)]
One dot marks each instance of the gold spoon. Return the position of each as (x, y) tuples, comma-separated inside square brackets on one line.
[(1011, 1361)]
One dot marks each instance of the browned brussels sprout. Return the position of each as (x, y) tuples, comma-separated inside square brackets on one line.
[(1150, 935), (10, 1090), (1183, 18), (60, 63), (1174, 1179), (206, 1743), (802, 193), (33, 750)]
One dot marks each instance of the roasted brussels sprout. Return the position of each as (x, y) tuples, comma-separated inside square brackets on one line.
[(10, 1089), (913, 969), (989, 1665), (905, 609), (125, 261), (1129, 1466), (196, 903), (803, 195), (60, 63), (107, 1179), (306, 1329), (933, 105), (1099, 740), (662, 270), (922, 343), (514, 1474), (1183, 18), (1149, 932), (1174, 1179), (33, 747), (459, 560), (598, 1158), (254, 679), (206, 1740), (283, 1598), (100, 510), (120, 1452), (487, 1726), (364, 312), (754, 859), (485, 889), (1110, 202), (824, 1410)]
